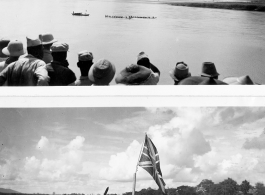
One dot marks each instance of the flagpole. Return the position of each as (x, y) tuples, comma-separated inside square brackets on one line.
[(134, 175)]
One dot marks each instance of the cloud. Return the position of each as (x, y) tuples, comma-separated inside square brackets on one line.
[(256, 143), (139, 122), (178, 142), (43, 143), (122, 165), (68, 166), (236, 116), (11, 164), (77, 143)]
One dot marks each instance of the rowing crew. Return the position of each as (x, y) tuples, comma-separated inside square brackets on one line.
[(130, 17)]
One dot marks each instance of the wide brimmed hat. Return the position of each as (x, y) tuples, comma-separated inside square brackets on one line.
[(243, 80), (181, 71), (33, 42), (212, 81), (197, 80), (85, 56), (14, 48), (102, 72), (47, 38), (60, 47), (3, 43), (209, 70), (142, 55), (133, 75)]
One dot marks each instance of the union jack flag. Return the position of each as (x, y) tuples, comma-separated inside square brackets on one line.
[(149, 161)]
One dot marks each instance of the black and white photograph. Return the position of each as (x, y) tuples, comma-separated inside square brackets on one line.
[(108, 139), (139, 150), (132, 42)]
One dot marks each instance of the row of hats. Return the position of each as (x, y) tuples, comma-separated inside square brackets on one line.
[(103, 71), (15, 47), (181, 71)]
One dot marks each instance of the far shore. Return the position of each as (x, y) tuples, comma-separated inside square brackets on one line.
[(247, 6)]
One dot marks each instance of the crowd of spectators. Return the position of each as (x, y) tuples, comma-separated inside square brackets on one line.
[(44, 63)]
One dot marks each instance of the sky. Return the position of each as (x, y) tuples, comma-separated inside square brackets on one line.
[(85, 150)]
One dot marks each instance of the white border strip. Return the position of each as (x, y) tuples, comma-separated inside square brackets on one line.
[(132, 96)]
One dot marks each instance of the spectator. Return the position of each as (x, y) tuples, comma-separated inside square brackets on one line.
[(59, 73), (209, 70), (14, 49), (3, 43), (136, 75), (85, 61), (143, 60), (243, 80), (27, 71), (180, 72), (47, 41), (102, 72)]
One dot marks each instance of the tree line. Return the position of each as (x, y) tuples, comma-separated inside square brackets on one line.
[(205, 187), (208, 187)]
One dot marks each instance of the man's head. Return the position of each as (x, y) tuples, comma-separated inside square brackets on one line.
[(85, 60), (14, 49), (47, 40), (34, 47), (180, 72), (209, 70), (59, 51), (102, 72)]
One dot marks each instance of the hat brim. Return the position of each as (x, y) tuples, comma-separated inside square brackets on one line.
[(18, 53), (2, 55), (135, 78), (59, 51), (3, 43), (47, 43), (171, 74), (231, 80), (208, 75), (90, 73), (234, 81)]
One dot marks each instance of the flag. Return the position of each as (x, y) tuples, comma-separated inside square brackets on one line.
[(149, 161)]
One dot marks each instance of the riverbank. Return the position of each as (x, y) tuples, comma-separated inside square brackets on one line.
[(247, 6)]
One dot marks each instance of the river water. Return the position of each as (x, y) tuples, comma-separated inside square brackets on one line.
[(233, 40)]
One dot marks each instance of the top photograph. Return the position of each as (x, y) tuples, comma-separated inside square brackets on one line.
[(132, 42)]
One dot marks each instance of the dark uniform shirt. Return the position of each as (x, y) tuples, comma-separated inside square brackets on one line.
[(59, 74)]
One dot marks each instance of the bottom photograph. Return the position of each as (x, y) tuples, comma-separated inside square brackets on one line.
[(132, 150)]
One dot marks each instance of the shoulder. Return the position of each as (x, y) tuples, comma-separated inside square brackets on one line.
[(153, 79), (33, 59), (49, 67), (77, 82), (69, 72), (2, 64), (40, 62)]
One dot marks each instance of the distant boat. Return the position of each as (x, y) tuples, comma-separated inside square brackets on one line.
[(79, 14)]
